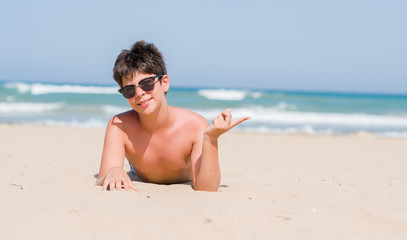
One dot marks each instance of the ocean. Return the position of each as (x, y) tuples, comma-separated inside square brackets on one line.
[(271, 111)]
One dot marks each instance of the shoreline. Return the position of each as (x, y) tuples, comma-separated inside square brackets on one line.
[(360, 133)]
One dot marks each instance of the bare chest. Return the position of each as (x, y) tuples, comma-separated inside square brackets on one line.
[(160, 158)]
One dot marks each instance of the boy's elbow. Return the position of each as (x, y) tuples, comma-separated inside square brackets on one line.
[(206, 188)]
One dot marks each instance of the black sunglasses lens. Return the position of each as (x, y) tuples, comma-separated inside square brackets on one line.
[(147, 84), (129, 91)]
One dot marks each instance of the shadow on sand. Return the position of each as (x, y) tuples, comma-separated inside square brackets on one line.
[(134, 177)]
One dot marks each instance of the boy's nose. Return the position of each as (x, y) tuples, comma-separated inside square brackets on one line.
[(139, 91)]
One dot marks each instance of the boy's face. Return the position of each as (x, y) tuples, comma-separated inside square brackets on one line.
[(145, 102)]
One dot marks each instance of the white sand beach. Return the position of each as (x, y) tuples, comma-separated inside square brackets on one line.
[(273, 187)]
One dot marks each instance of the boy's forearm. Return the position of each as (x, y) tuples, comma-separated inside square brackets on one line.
[(208, 177)]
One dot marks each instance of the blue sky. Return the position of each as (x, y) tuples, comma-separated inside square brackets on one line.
[(352, 46)]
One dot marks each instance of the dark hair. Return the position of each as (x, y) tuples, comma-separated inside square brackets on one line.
[(143, 57)]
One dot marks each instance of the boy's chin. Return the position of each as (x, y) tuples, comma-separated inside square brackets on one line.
[(145, 110)]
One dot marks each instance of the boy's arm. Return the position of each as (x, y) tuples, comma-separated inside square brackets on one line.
[(205, 162), (111, 171)]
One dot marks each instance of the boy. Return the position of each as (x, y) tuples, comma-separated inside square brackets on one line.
[(164, 144)]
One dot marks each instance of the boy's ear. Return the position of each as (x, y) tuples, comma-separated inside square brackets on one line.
[(165, 83)]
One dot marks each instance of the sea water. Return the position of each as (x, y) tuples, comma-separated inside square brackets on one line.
[(271, 111)]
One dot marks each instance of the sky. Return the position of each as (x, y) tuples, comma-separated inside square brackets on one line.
[(339, 46)]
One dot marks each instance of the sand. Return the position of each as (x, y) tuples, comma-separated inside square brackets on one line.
[(273, 186)]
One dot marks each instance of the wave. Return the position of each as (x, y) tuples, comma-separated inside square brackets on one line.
[(59, 108), (284, 106), (227, 95), (306, 129), (40, 88), (309, 130), (287, 130), (25, 107), (275, 116), (112, 110), (90, 123)]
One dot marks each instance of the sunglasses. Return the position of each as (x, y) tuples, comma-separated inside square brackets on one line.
[(146, 84)]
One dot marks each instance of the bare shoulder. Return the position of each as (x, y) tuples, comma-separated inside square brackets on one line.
[(121, 120), (190, 119)]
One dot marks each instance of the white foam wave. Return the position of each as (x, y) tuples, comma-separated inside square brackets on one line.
[(285, 106), (21, 87), (256, 94), (91, 123), (289, 130), (222, 94), (309, 130), (306, 129), (25, 107), (228, 94), (112, 110), (275, 116), (39, 88)]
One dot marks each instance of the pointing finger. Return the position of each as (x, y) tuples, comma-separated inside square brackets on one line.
[(238, 121)]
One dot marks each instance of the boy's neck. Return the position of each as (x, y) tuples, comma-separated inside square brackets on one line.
[(156, 120)]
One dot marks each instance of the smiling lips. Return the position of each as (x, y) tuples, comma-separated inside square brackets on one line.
[(144, 103)]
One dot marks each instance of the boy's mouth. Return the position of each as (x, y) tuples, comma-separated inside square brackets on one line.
[(144, 103)]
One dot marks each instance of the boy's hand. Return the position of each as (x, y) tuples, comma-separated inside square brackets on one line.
[(223, 123), (115, 178)]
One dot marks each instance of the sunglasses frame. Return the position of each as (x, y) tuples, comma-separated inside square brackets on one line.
[(121, 90)]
